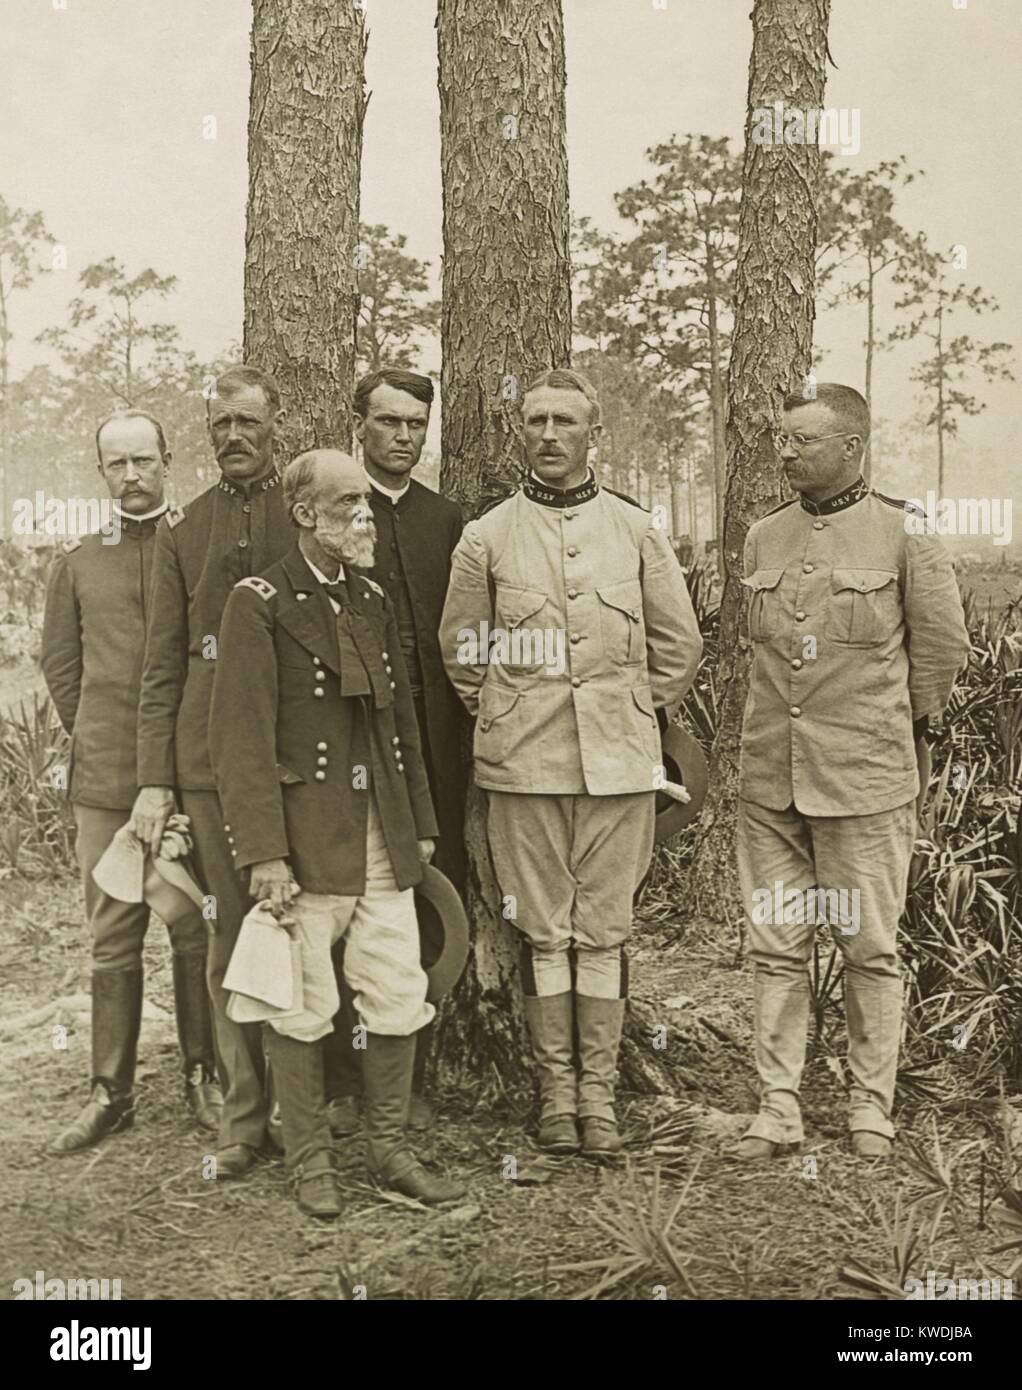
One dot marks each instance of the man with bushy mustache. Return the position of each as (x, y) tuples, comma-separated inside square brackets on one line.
[(315, 746), (237, 527)]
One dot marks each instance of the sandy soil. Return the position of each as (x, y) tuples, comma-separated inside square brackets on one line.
[(139, 1208)]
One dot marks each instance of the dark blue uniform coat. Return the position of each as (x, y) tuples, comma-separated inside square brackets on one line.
[(295, 760)]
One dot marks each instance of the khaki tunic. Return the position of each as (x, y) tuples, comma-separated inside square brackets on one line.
[(601, 583), (857, 630)]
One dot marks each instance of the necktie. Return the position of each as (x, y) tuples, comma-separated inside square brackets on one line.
[(338, 591)]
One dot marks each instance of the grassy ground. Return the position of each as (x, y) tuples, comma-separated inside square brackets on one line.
[(138, 1208)]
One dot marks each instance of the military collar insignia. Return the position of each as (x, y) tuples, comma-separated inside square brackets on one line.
[(140, 524), (537, 491), (235, 491), (848, 498)]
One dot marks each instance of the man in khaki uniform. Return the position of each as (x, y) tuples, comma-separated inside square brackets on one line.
[(569, 633), (857, 632)]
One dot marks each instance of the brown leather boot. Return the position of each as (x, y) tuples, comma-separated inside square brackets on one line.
[(195, 1034), (116, 1023), (551, 1020), (599, 1037), (387, 1075)]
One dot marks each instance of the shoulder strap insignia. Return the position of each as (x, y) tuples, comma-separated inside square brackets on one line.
[(175, 516), (69, 547), (780, 507), (623, 496), (262, 587), (901, 503)]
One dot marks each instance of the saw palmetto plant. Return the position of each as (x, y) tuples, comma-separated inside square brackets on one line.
[(962, 927), (36, 829), (636, 1215), (904, 1232)]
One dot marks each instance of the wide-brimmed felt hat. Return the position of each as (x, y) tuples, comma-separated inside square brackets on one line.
[(126, 871), (436, 895), (684, 762)]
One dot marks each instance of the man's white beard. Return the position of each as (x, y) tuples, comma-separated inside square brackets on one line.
[(354, 544)]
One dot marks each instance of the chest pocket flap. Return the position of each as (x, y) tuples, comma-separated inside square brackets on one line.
[(621, 621), (625, 596), (864, 608), (763, 579), (763, 617), (516, 606), (862, 581)]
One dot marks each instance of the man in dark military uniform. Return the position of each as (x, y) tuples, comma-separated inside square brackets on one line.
[(857, 632), (237, 527), (417, 531), (93, 638), (316, 751)]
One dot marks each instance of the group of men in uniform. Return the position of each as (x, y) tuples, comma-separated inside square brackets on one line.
[(312, 642)]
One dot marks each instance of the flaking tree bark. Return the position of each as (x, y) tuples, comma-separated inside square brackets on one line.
[(302, 250), (770, 356), (506, 316)]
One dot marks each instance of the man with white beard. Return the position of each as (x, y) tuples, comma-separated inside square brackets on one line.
[(315, 748)]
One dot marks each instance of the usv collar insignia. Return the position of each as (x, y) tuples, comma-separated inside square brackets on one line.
[(848, 498), (234, 491), (537, 491)]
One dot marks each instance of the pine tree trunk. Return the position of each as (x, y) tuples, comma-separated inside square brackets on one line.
[(719, 442), (506, 291), (940, 403), (867, 461), (301, 244), (6, 481), (506, 316), (771, 354)]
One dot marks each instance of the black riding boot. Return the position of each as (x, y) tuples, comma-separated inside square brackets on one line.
[(342, 1068), (116, 1023), (387, 1069), (195, 1034), (298, 1077)]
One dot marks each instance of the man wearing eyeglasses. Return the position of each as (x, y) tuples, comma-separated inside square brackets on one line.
[(857, 632)]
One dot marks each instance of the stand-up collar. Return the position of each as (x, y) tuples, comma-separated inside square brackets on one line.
[(848, 498), (393, 495), (130, 519), (247, 489), (538, 491)]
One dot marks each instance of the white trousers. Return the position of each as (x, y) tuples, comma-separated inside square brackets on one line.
[(381, 953)]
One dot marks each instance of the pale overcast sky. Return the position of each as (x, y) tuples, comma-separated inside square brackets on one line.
[(103, 104)]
